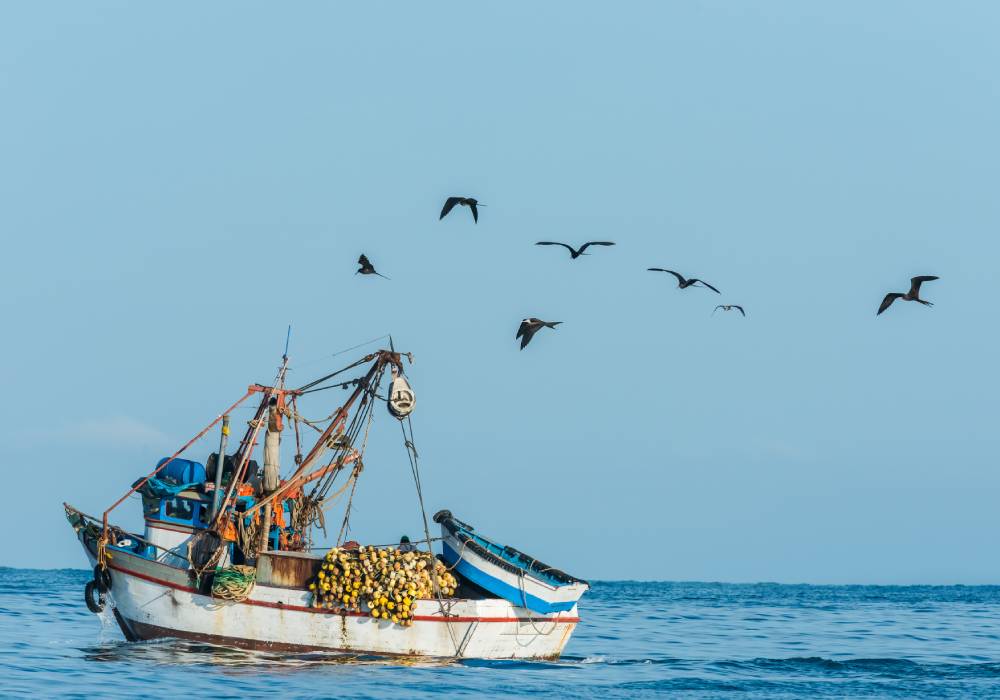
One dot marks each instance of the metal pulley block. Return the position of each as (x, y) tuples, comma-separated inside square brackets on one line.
[(401, 397)]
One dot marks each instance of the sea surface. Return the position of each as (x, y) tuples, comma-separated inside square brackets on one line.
[(637, 639)]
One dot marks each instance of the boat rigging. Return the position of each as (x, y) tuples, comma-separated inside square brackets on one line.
[(234, 539)]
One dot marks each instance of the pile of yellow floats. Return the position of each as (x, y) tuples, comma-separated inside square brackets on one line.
[(387, 582)]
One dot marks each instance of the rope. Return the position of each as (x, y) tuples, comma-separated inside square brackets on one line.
[(196, 547), (365, 415), (328, 501), (234, 583), (461, 553), (248, 534), (306, 387), (394, 545), (342, 441), (524, 603), (354, 478), (342, 385), (341, 352), (344, 527), (348, 437), (411, 453), (314, 424)]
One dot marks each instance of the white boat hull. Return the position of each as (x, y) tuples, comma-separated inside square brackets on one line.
[(152, 600), (531, 592)]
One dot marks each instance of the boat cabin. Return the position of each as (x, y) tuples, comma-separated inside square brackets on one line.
[(178, 503)]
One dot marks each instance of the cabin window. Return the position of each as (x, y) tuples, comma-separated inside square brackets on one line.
[(179, 509)]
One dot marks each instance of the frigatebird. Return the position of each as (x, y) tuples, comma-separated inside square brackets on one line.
[(469, 202), (530, 326), (685, 283), (575, 253), (367, 268), (912, 295), (729, 307)]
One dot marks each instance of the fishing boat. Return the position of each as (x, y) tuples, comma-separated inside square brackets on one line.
[(505, 571), (227, 555)]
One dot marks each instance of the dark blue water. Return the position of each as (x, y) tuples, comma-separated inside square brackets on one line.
[(636, 639)]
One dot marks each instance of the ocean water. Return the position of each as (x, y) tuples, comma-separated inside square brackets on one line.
[(637, 639)]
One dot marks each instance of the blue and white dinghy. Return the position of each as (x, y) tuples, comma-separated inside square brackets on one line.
[(505, 571)]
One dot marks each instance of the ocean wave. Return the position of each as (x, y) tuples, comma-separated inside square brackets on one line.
[(635, 638)]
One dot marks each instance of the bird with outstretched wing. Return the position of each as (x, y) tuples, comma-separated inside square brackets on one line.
[(683, 283), (469, 202), (529, 326), (574, 252)]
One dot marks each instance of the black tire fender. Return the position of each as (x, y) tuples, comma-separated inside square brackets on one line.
[(94, 597), (102, 577)]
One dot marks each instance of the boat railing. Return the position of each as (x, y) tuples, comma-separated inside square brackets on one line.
[(143, 540)]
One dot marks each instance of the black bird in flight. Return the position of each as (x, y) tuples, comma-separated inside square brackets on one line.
[(912, 295), (367, 268), (683, 283), (729, 307), (469, 202), (574, 253), (529, 327)]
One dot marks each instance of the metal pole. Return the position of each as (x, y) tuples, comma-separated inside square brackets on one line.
[(220, 462)]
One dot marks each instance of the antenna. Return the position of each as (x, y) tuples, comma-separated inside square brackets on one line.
[(288, 337)]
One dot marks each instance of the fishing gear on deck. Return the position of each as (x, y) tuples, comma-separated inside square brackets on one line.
[(234, 583), (384, 582)]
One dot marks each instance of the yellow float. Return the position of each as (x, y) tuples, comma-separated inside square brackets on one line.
[(383, 582)]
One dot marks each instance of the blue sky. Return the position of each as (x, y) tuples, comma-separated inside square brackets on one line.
[(181, 181)]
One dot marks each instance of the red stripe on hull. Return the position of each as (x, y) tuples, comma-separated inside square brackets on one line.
[(344, 613)]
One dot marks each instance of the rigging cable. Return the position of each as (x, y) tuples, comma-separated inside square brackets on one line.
[(357, 468), (310, 385), (341, 352), (347, 441), (411, 453)]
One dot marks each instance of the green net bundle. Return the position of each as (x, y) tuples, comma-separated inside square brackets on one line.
[(386, 583), (234, 583)]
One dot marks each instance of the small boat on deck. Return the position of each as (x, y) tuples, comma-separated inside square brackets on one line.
[(506, 572), (227, 553)]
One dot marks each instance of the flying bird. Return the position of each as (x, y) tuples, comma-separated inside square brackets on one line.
[(912, 295), (469, 202), (575, 253), (530, 326), (684, 283), (729, 307), (367, 268)]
